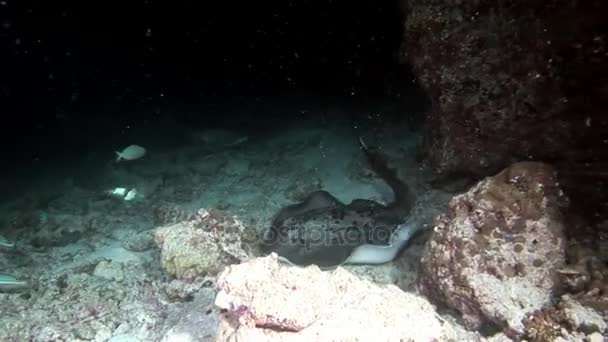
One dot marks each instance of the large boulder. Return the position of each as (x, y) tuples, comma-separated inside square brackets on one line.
[(202, 245), (495, 254), (268, 301)]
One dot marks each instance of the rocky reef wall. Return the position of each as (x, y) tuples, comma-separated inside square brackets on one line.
[(509, 80), (514, 81)]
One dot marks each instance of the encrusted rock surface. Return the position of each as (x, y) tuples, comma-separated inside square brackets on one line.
[(494, 255), (586, 275), (205, 244), (580, 317), (509, 81), (267, 301), (169, 213), (568, 320)]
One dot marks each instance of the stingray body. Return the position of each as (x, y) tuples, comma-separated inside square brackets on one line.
[(323, 231)]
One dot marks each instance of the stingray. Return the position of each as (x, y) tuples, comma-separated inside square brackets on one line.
[(323, 231)]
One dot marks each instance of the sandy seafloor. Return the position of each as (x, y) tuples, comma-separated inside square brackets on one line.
[(65, 224)]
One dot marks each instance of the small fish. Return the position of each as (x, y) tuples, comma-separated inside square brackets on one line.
[(9, 282), (130, 195), (130, 152), (118, 192), (122, 193), (239, 141), (6, 243)]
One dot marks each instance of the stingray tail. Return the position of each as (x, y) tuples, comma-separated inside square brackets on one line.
[(404, 197)]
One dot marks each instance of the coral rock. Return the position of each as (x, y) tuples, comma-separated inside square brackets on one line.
[(494, 255), (582, 318), (169, 213), (265, 300), (205, 244)]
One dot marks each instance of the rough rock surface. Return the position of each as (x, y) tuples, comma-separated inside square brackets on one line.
[(198, 321), (567, 320), (494, 255), (582, 318), (586, 274), (510, 80), (169, 213), (205, 244), (267, 301)]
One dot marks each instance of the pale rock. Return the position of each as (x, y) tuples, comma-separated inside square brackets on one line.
[(269, 301), (582, 318)]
